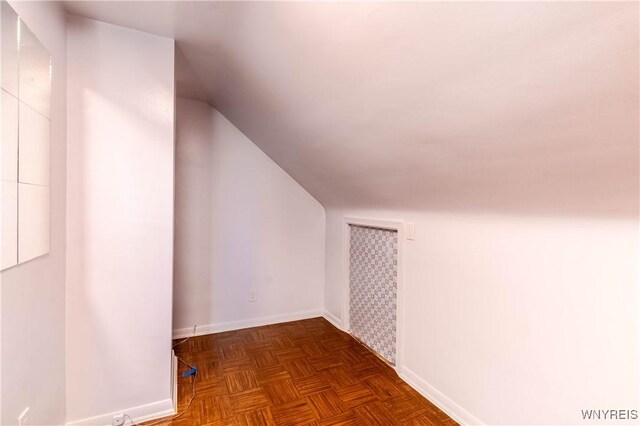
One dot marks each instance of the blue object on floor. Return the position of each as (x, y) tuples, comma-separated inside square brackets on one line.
[(190, 372)]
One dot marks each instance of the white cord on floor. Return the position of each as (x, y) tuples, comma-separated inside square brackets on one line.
[(193, 388), (193, 395), (182, 341), (129, 417)]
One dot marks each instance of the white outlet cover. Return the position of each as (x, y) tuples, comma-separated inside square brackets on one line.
[(117, 420)]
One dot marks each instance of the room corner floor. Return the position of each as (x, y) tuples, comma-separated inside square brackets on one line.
[(298, 373)]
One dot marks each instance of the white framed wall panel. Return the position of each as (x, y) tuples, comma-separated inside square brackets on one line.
[(33, 221), (9, 106), (25, 108), (34, 72), (34, 146), (33, 293), (9, 46), (9, 224)]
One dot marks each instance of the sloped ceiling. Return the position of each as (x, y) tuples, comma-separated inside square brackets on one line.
[(505, 106)]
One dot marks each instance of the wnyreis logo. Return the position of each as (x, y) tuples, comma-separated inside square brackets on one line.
[(609, 414)]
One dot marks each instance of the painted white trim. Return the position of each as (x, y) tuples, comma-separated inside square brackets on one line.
[(333, 320), (394, 225), (453, 410), (174, 380), (139, 414), (248, 323), (142, 413), (440, 400)]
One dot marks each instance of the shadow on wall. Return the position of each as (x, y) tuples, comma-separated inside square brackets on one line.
[(193, 215), (243, 227)]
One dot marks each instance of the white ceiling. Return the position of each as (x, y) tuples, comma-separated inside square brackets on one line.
[(506, 106)]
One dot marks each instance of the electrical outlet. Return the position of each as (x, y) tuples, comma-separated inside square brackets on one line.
[(118, 420), (253, 295), (23, 419)]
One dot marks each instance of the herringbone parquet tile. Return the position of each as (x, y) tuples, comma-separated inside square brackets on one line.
[(297, 373)]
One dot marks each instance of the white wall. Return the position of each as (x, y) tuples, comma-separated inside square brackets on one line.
[(242, 223), (120, 221), (516, 319), (33, 301)]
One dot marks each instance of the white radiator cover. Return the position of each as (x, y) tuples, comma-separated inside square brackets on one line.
[(373, 286)]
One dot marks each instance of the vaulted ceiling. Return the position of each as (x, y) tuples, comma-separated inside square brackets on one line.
[(528, 107)]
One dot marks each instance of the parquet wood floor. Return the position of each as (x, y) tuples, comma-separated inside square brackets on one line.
[(298, 373)]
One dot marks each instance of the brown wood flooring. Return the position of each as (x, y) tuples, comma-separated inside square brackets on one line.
[(298, 373)]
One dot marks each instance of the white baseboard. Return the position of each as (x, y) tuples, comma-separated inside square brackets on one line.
[(453, 410), (174, 380), (439, 399), (180, 333), (333, 319), (142, 413)]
